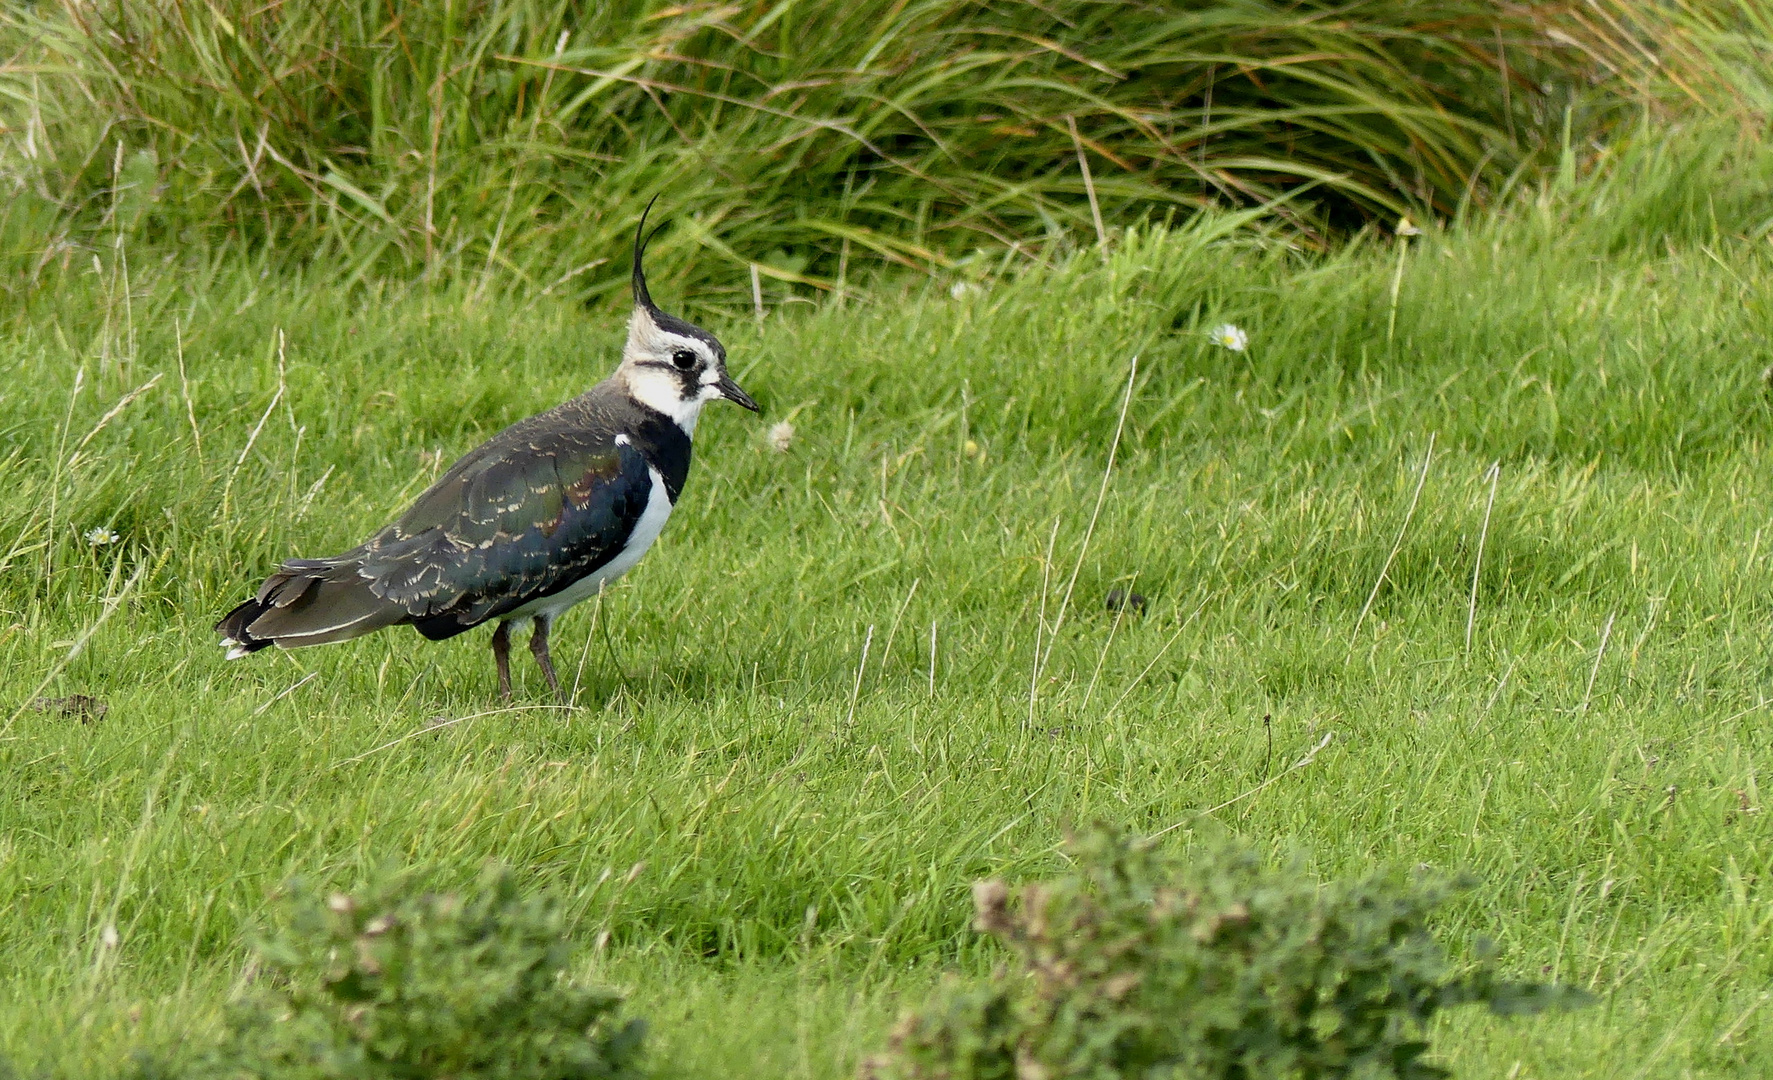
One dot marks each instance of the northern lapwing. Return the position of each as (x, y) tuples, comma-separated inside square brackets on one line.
[(539, 517)]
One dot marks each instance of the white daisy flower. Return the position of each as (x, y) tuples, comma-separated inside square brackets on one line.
[(1229, 336), (780, 436), (101, 536)]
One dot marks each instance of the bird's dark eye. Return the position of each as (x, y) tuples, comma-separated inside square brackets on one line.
[(683, 359)]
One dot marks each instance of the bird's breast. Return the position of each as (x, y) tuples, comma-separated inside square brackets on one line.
[(640, 539)]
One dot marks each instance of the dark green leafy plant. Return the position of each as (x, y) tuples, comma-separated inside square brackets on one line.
[(1139, 965), (393, 983)]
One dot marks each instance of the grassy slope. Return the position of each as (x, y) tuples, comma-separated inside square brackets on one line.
[(803, 864)]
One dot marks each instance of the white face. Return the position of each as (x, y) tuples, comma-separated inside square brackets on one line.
[(673, 373)]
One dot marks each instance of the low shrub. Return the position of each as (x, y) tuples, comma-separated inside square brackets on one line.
[(397, 983), (1140, 965)]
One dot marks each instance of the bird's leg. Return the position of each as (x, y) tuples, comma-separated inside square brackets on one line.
[(538, 645), (501, 643)]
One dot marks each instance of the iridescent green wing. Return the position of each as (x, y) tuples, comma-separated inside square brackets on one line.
[(523, 517)]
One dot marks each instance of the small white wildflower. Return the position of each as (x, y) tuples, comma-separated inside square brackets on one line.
[(780, 436), (101, 536), (960, 290), (1229, 336), (1406, 227), (108, 936)]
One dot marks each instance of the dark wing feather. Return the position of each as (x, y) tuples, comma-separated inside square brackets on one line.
[(523, 517)]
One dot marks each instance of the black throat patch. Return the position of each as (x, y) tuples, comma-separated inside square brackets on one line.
[(665, 446)]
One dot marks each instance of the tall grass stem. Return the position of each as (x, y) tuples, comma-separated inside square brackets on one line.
[(1397, 545), (1477, 564)]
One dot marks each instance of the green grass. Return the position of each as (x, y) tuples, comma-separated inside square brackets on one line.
[(1704, 56), (516, 139), (773, 853)]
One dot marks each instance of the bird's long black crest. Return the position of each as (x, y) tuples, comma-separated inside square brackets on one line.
[(642, 238)]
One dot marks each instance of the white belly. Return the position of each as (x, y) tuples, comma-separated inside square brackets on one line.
[(646, 530)]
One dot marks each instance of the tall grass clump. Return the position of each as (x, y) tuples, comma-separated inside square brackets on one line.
[(1709, 57), (517, 138)]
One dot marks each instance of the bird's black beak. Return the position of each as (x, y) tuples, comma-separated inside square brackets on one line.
[(730, 390)]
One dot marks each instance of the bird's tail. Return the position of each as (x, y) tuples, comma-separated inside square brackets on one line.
[(307, 602)]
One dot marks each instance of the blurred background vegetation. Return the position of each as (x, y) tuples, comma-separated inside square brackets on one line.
[(512, 142)]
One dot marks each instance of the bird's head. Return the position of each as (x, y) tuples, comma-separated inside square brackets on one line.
[(670, 364)]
